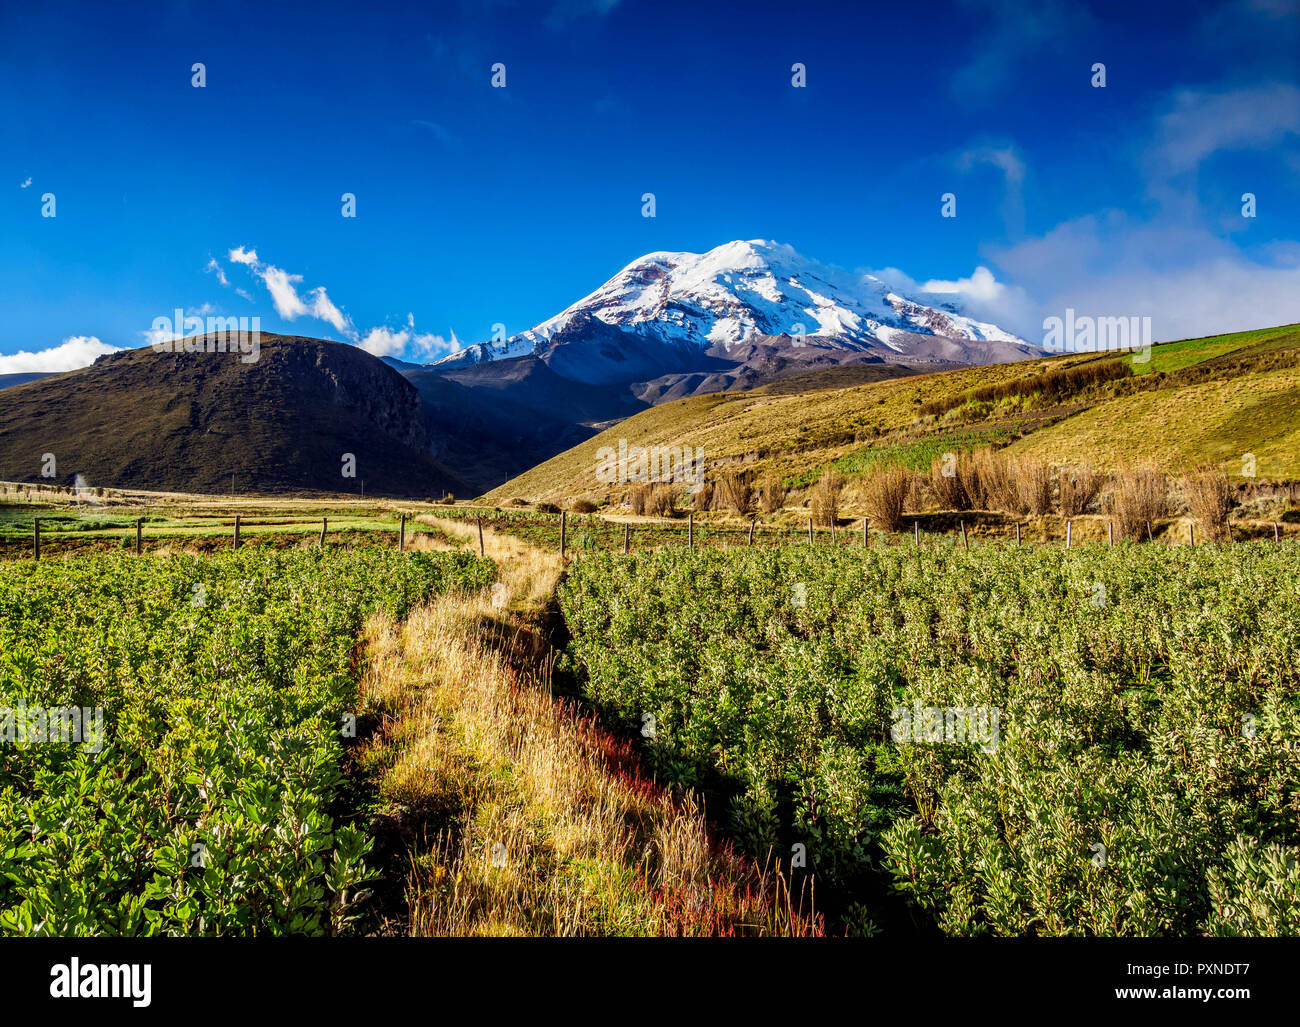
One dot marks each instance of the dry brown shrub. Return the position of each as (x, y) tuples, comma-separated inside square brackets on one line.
[(734, 492), (1139, 495), (1033, 481), (972, 484), (1209, 498), (947, 487), (997, 481), (1079, 487), (653, 500), (884, 496), (826, 497)]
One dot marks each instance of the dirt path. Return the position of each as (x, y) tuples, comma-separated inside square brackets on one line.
[(512, 813)]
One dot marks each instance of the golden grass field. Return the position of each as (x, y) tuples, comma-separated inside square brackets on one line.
[(1193, 401)]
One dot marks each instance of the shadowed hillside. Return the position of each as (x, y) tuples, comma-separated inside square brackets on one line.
[(204, 421)]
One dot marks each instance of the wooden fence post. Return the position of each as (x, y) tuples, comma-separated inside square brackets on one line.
[(324, 526), (1150, 536), (139, 535), (1277, 535), (36, 538), (1017, 533), (1110, 532), (1069, 533), (866, 538), (480, 535), (690, 530), (751, 530), (832, 531), (401, 535), (627, 538), (810, 538), (916, 531), (563, 535), (236, 531), (1191, 533), (965, 542)]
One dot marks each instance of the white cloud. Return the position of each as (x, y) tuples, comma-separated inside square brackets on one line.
[(214, 267), (154, 336), (74, 352), (981, 285), (1188, 279), (323, 309), (283, 294), (381, 341), (24, 185)]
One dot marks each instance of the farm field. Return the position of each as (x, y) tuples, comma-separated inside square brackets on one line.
[(1008, 741), (206, 798)]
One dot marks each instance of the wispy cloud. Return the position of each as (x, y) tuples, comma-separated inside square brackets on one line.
[(384, 342), (1014, 32), (566, 11), (290, 304), (74, 352), (25, 184), (439, 133), (1006, 158), (1197, 124), (214, 268), (1177, 264)]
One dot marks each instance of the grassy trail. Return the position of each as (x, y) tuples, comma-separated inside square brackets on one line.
[(516, 813)]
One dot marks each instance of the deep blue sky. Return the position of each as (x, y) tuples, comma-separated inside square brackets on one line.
[(479, 205)]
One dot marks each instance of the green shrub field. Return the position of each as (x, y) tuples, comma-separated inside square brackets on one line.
[(225, 684), (1143, 776)]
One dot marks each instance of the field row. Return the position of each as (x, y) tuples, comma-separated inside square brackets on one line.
[(174, 736), (1019, 740)]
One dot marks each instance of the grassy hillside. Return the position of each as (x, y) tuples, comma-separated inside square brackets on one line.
[(1193, 400)]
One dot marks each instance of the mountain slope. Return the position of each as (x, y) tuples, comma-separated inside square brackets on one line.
[(204, 421), (1210, 399), (666, 310)]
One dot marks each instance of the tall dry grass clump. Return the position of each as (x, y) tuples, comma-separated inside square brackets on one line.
[(653, 500), (972, 483), (997, 481), (946, 485), (826, 497), (1079, 488), (1139, 495), (1033, 482), (884, 494), (734, 492), (1209, 498)]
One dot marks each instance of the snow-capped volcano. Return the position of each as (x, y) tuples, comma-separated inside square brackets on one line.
[(744, 292)]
